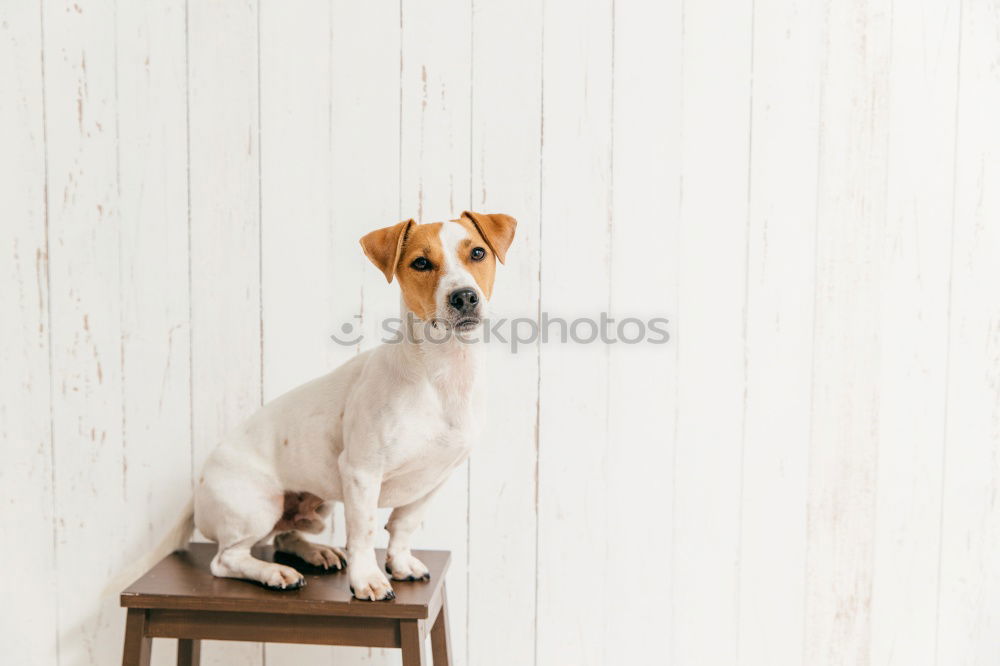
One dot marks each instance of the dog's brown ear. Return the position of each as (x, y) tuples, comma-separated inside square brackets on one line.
[(497, 229), (383, 246)]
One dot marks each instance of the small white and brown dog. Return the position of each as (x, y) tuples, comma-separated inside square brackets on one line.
[(383, 430)]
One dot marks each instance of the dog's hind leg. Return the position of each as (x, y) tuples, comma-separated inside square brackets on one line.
[(327, 557), (305, 512), (238, 507), (236, 561)]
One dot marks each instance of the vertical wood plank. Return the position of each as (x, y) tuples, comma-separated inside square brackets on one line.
[(365, 116), (643, 285), (225, 235), (155, 347), (711, 366), (573, 430), (367, 139), (845, 396), (297, 248), (913, 312), (779, 325), (297, 245), (434, 185), (84, 244), (506, 144), (969, 612), (25, 435)]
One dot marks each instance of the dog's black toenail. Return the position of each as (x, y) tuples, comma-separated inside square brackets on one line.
[(285, 588)]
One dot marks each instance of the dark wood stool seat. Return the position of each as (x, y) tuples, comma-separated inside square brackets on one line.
[(180, 598)]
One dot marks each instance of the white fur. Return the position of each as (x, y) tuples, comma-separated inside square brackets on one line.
[(455, 276), (383, 430)]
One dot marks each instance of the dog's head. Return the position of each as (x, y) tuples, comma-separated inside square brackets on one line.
[(445, 269)]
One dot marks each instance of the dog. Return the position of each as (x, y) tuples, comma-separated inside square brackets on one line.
[(385, 429)]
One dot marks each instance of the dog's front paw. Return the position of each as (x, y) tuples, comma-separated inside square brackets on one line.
[(371, 584), (403, 566)]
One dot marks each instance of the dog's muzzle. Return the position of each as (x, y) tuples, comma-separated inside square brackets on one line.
[(464, 306)]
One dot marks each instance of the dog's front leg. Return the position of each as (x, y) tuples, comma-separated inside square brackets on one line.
[(404, 521), (361, 489)]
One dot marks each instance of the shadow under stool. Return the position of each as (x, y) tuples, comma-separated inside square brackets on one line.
[(180, 598)]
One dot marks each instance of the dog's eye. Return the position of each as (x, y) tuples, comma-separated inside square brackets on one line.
[(421, 264), (478, 254)]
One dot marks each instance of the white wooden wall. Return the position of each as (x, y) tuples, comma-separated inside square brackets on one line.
[(809, 190)]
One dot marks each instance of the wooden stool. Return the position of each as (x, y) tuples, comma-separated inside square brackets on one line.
[(180, 598)]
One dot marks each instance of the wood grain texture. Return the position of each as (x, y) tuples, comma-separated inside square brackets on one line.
[(573, 432), (646, 176), (180, 598), (915, 260), (136, 646), (414, 652), (85, 286), (845, 395), (968, 614), (711, 331), (296, 172), (506, 151), (302, 632), (440, 634), (183, 581), (155, 307), (779, 326), (224, 167), (225, 225), (366, 117), (25, 389)]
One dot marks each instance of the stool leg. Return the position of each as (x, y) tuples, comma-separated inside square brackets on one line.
[(188, 652), (440, 640), (413, 647), (137, 644)]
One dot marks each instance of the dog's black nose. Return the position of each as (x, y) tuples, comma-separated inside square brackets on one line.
[(463, 300)]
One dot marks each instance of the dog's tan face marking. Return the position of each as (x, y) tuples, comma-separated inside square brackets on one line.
[(443, 255), (420, 286), (484, 269), (433, 261)]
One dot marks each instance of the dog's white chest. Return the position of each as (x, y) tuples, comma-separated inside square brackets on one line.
[(432, 436)]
